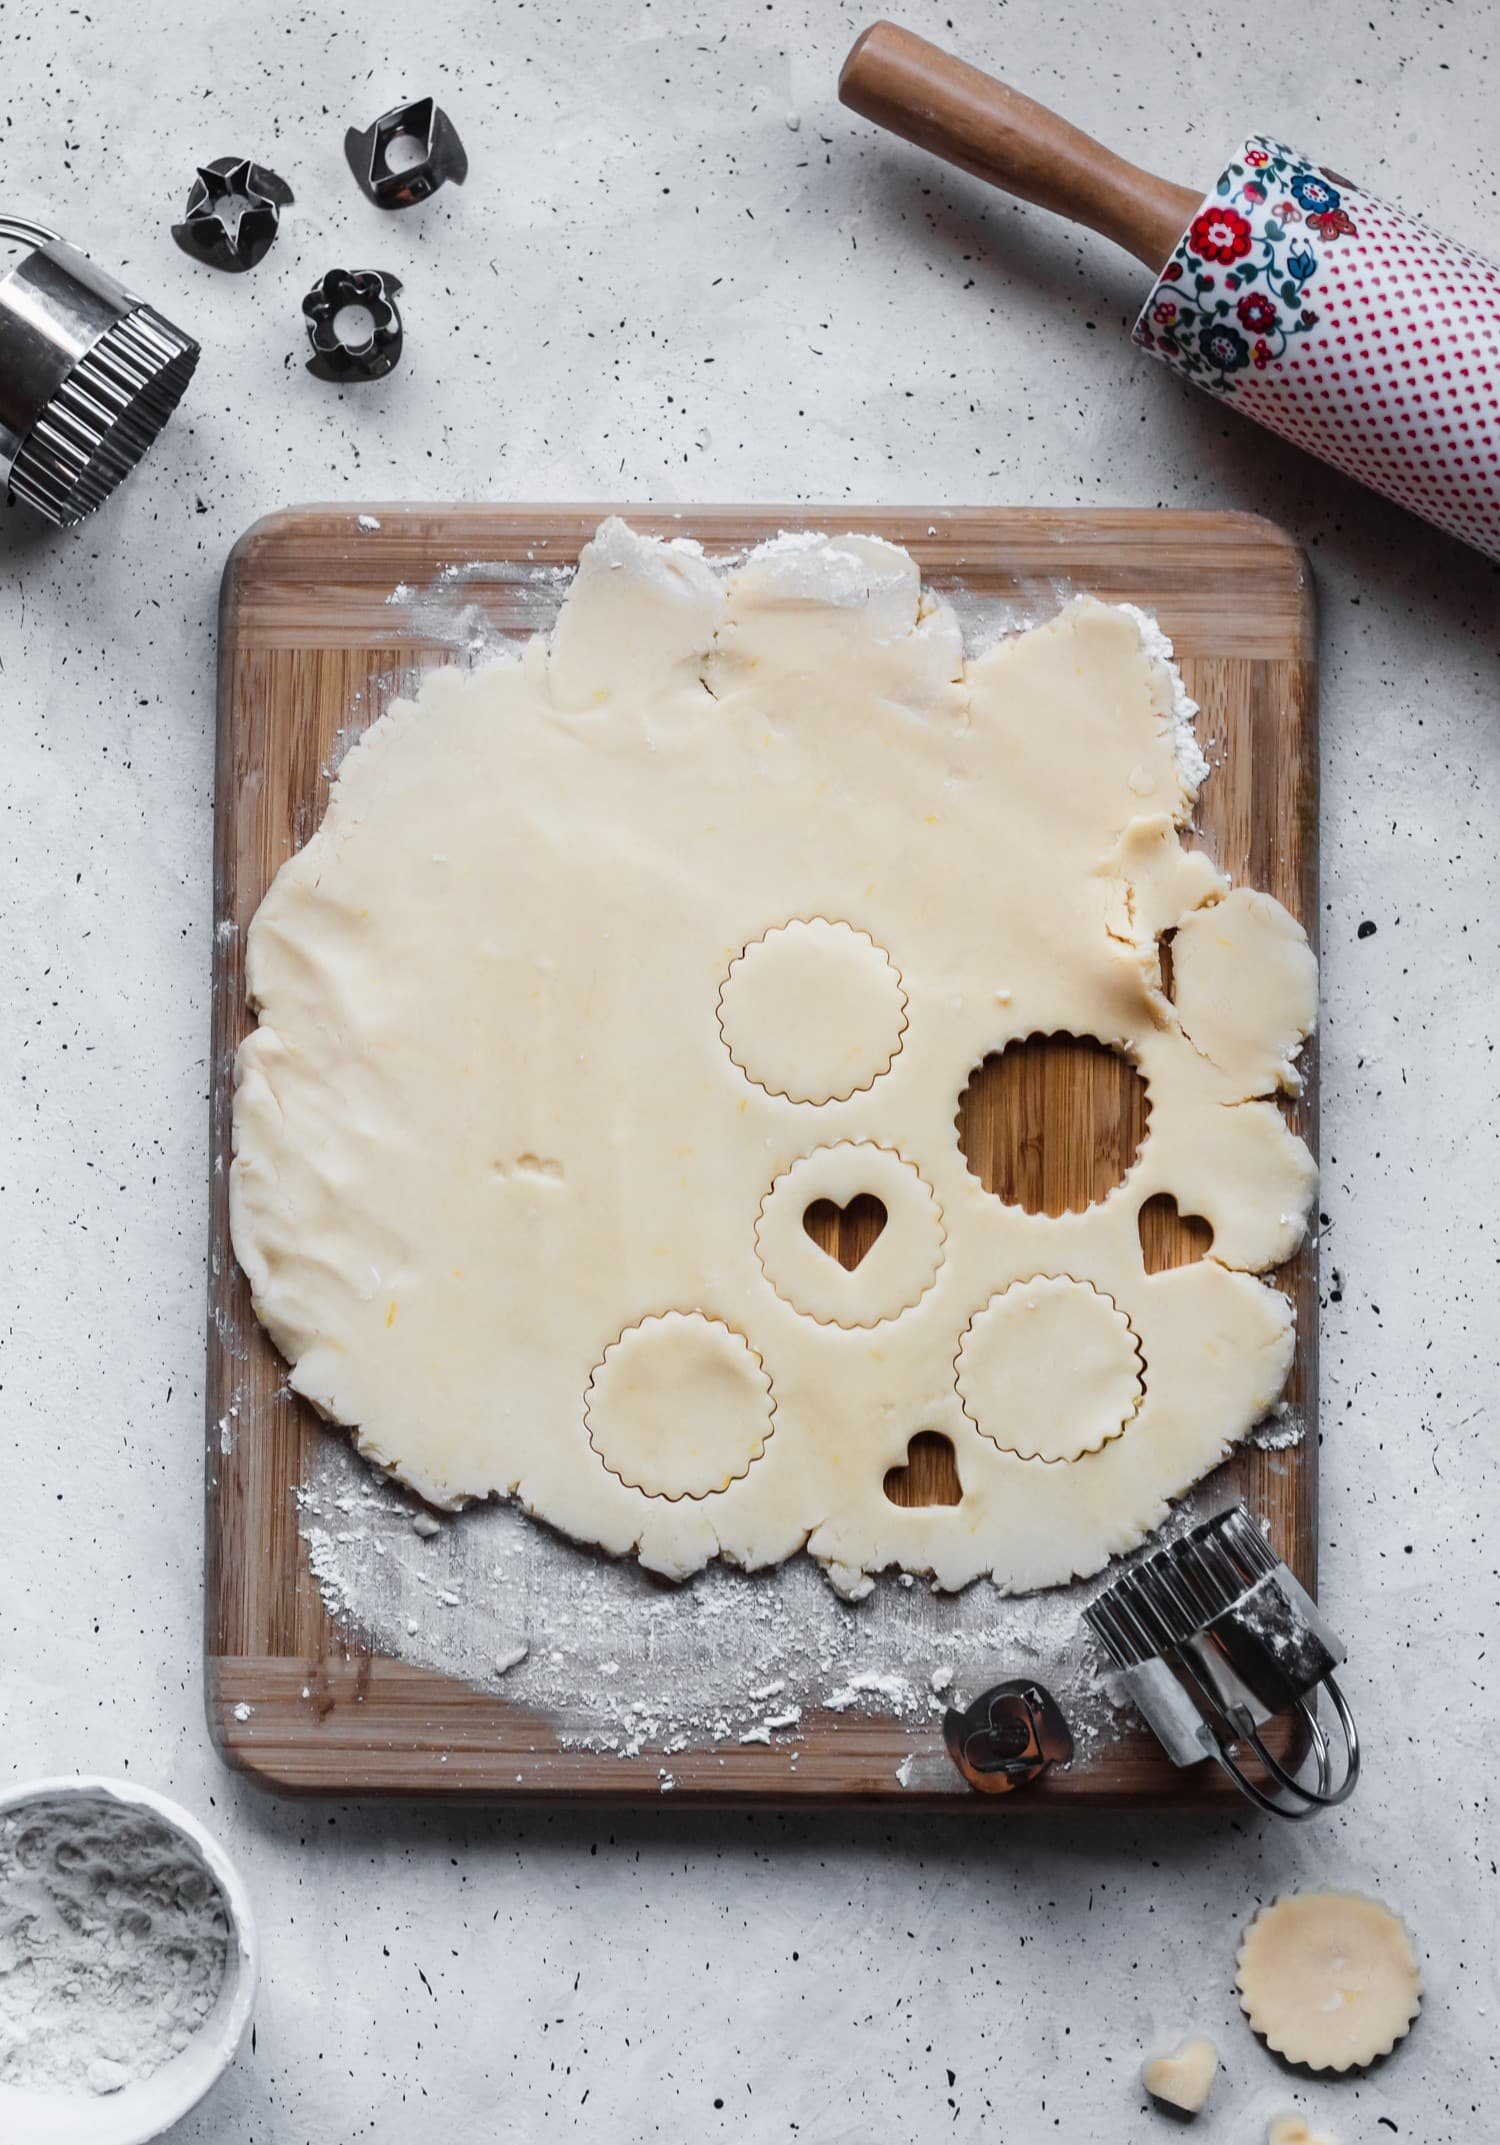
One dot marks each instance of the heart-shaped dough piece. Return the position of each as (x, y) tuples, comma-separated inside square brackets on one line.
[(1183, 2080), (1295, 2130)]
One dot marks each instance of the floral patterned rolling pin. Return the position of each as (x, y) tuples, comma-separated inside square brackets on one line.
[(1322, 312)]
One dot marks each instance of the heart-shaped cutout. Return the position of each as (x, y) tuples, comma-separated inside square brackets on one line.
[(930, 1476), (849, 1233)]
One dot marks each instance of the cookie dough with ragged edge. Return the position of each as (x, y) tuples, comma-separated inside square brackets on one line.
[(490, 1124)]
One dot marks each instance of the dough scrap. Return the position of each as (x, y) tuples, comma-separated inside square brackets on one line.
[(1184, 2079), (1295, 2130), (1246, 990), (1329, 1979), (510, 1163)]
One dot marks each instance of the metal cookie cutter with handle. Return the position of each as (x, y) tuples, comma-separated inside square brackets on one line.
[(1213, 1637)]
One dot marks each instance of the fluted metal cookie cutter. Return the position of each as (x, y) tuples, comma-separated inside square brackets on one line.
[(1214, 1636), (233, 213), (1007, 1737), (342, 352), (393, 181), (88, 376)]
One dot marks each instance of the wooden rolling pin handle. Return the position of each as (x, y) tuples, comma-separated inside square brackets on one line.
[(926, 95)]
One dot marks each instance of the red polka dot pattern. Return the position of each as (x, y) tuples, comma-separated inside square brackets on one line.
[(1398, 383)]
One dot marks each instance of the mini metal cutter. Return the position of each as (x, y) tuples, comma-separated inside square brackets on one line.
[(1008, 1737), (1214, 1636)]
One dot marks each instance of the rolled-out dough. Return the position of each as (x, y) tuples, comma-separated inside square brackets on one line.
[(610, 959)]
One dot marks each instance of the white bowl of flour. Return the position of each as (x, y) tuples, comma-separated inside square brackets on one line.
[(127, 1963)]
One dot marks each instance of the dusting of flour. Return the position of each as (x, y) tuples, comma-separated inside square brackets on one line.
[(623, 1662)]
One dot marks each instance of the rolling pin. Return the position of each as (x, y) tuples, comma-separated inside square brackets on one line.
[(1312, 306)]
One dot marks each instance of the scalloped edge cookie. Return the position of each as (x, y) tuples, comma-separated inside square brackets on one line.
[(1329, 1979)]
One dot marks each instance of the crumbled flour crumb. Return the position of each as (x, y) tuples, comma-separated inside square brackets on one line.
[(368, 522), (243, 1711), (871, 1683), (940, 1680), (424, 1524), (1280, 1429), (113, 1941)]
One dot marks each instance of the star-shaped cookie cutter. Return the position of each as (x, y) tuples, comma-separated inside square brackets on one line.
[(233, 213), (367, 355), (442, 155)]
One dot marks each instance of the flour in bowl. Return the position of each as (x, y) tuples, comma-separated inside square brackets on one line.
[(113, 1943)]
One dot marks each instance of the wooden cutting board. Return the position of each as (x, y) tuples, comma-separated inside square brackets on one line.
[(309, 641)]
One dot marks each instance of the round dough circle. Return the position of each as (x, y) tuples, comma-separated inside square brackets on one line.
[(1049, 1369), (813, 1011), (894, 1274), (1329, 1979), (679, 1406)]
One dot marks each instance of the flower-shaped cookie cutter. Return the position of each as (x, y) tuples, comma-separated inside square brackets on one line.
[(401, 183), (342, 351), (233, 213)]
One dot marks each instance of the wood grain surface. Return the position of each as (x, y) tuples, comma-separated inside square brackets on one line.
[(309, 641)]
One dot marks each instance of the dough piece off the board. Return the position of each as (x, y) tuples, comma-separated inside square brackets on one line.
[(1329, 1979), (612, 959)]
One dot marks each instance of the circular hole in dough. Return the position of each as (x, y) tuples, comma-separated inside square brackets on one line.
[(1329, 1979), (894, 1269), (1050, 1369), (679, 1406), (1052, 1123), (813, 1011)]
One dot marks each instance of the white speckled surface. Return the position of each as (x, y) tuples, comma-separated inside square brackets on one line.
[(656, 284)]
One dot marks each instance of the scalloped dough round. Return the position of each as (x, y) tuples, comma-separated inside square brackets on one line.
[(495, 1151), (1049, 1369), (680, 1406), (1329, 1979), (813, 1011), (897, 1270)]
